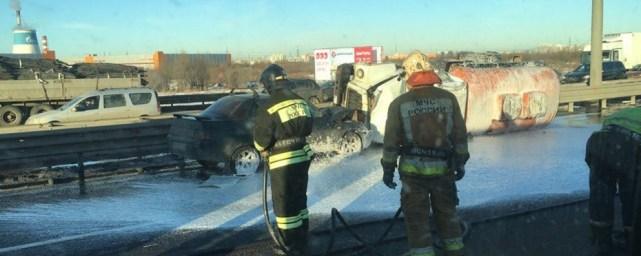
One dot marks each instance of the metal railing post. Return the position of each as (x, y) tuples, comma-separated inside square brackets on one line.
[(81, 175)]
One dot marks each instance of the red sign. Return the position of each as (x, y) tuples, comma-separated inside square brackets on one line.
[(363, 54), (321, 55)]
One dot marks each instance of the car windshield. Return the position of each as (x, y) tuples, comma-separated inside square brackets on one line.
[(229, 108), (326, 84), (583, 68), (70, 103)]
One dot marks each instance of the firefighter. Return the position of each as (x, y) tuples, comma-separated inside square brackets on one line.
[(426, 130), (281, 127), (613, 155)]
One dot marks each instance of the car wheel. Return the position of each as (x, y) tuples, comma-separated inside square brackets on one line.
[(350, 143), (314, 100), (245, 161), (10, 116)]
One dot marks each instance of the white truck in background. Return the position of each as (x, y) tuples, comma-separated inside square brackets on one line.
[(624, 47)]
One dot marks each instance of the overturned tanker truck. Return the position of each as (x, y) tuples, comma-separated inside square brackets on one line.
[(492, 100)]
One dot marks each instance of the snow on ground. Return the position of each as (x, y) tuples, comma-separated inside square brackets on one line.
[(537, 163)]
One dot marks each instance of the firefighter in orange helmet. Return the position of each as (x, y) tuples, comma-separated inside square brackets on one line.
[(425, 134)]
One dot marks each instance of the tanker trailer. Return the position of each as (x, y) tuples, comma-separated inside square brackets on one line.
[(509, 99)]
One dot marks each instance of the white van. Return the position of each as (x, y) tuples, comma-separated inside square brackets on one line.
[(103, 104)]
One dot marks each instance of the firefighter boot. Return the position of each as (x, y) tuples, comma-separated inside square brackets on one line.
[(602, 240)]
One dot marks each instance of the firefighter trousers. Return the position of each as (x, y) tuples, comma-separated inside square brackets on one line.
[(289, 197), (614, 166), (418, 196)]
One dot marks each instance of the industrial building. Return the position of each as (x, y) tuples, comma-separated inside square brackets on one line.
[(153, 61), (25, 41)]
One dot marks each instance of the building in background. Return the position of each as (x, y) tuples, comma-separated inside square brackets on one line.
[(25, 41), (154, 61)]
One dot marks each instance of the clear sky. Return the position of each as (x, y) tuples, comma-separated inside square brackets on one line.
[(261, 27)]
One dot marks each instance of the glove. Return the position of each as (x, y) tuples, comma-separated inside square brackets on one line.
[(388, 179), (459, 172)]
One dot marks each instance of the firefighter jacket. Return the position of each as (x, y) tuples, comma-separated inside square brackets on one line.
[(281, 127), (426, 129)]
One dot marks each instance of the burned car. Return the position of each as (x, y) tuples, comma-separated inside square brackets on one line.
[(312, 92), (220, 137)]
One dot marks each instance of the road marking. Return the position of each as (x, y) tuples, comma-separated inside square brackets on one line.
[(69, 238)]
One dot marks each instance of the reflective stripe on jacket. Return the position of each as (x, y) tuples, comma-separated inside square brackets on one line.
[(284, 117)]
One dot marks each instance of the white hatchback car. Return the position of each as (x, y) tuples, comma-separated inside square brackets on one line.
[(103, 104)]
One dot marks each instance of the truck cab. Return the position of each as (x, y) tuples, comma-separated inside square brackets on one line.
[(369, 89)]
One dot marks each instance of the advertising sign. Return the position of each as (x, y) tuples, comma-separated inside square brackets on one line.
[(326, 60)]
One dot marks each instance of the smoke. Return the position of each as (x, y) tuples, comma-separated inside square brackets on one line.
[(15, 5)]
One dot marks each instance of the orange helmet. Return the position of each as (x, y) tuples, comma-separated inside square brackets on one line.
[(423, 78)]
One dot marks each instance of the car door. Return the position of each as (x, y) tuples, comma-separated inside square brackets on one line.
[(114, 106), (87, 109), (608, 71)]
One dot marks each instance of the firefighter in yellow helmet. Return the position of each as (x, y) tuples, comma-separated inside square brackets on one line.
[(281, 127), (425, 134)]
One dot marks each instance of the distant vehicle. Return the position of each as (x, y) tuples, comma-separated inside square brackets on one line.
[(102, 105), (221, 135), (251, 85), (20, 99), (612, 70), (634, 72), (308, 89), (624, 47)]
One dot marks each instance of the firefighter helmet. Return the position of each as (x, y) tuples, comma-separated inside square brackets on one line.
[(423, 78), (271, 75), (415, 62)]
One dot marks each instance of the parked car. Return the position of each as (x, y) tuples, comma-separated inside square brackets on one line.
[(612, 70), (102, 105), (634, 72), (220, 137), (308, 89)]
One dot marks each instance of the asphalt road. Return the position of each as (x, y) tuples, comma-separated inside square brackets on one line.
[(171, 215)]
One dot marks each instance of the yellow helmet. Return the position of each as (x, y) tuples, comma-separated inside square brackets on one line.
[(416, 62)]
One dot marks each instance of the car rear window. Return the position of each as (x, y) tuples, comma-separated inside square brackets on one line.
[(114, 100), (140, 98), (229, 108)]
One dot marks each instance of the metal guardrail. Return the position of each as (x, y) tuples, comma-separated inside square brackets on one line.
[(608, 90), (78, 145)]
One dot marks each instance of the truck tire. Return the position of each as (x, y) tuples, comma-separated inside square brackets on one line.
[(10, 116), (37, 109)]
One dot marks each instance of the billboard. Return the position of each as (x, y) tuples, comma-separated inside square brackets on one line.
[(326, 60)]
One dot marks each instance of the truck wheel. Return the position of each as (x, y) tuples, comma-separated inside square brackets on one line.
[(10, 116), (37, 109)]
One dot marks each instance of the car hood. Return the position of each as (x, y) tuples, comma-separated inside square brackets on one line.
[(45, 117)]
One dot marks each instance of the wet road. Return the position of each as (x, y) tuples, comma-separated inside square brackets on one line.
[(158, 214)]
